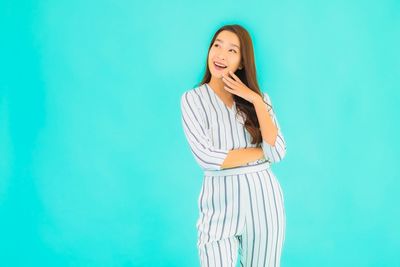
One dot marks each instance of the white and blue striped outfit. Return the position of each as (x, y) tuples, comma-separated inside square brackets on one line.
[(241, 208)]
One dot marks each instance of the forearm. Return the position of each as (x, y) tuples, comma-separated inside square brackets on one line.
[(268, 129), (238, 157)]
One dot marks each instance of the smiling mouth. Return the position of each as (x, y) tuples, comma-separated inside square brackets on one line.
[(219, 67)]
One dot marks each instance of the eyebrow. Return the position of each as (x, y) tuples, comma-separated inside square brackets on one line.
[(223, 42)]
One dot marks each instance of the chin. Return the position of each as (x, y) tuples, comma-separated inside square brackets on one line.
[(219, 73)]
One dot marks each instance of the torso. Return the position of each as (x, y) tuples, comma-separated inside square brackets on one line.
[(224, 126)]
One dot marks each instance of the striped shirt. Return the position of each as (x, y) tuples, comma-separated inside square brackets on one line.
[(212, 129)]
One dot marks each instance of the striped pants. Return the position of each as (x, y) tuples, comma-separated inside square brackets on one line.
[(241, 214)]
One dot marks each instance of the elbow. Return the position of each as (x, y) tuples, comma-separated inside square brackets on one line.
[(212, 168), (209, 159), (282, 154), (274, 153), (209, 164)]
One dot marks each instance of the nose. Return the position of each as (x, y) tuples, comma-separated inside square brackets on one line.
[(221, 57)]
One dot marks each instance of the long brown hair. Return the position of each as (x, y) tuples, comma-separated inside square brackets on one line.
[(247, 75)]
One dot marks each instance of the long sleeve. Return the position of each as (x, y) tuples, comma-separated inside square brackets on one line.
[(206, 155), (276, 152)]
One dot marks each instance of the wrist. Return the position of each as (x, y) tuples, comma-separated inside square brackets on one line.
[(257, 99)]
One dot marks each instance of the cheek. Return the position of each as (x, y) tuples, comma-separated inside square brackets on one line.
[(235, 59), (233, 63), (210, 55)]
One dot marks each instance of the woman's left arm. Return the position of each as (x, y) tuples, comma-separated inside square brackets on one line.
[(273, 143)]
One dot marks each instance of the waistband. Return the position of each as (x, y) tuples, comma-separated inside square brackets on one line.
[(238, 170)]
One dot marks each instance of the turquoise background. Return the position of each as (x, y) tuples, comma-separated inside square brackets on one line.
[(94, 167)]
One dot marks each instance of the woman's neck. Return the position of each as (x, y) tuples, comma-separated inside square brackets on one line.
[(218, 86)]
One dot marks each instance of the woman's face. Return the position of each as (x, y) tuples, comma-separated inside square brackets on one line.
[(226, 51)]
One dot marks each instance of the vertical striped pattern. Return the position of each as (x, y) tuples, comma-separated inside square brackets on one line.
[(276, 152), (242, 213), (241, 216), (206, 154), (212, 129)]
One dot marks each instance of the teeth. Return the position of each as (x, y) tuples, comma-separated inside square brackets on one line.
[(219, 65)]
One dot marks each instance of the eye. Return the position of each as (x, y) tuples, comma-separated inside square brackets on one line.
[(233, 50)]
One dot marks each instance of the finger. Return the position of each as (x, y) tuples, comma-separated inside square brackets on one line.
[(230, 82), (228, 89), (230, 79), (236, 78)]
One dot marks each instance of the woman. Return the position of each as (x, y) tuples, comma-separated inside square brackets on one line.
[(234, 136)]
